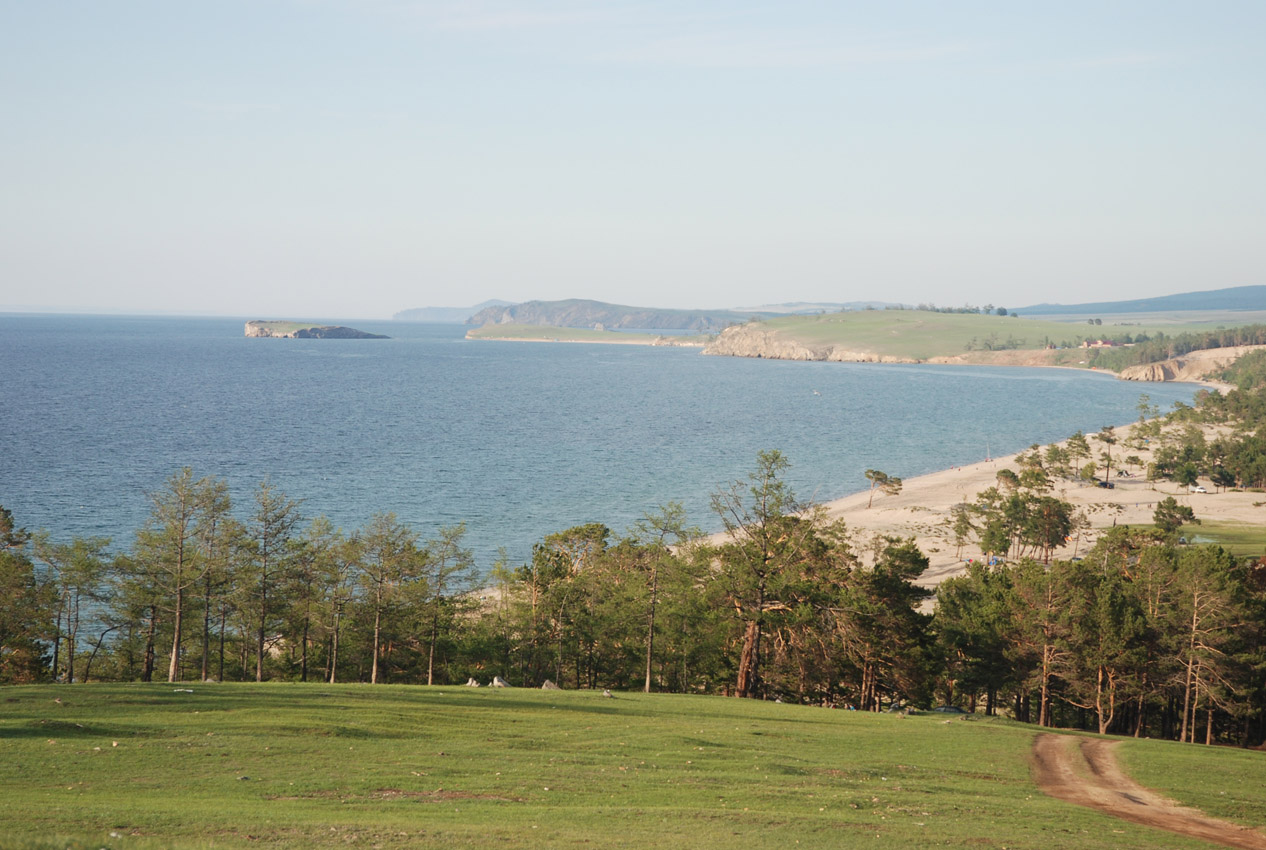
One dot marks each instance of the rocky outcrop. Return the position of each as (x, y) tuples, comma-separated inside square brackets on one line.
[(1193, 366), (293, 330), (1166, 370), (760, 341)]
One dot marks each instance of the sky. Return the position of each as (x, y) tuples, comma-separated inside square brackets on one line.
[(354, 158)]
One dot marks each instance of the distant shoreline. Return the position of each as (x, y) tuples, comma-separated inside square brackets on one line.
[(949, 360), (640, 339), (922, 510)]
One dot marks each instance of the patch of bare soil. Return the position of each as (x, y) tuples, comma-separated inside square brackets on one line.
[(1085, 771)]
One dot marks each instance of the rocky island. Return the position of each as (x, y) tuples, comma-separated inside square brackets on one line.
[(298, 330)]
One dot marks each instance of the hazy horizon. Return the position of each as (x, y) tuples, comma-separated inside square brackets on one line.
[(770, 306), (356, 158)]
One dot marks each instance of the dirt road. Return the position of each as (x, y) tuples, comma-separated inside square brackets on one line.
[(1085, 771)]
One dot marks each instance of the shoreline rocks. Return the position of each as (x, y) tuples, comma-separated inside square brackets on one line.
[(754, 341)]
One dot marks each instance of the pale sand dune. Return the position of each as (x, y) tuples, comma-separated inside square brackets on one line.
[(922, 509)]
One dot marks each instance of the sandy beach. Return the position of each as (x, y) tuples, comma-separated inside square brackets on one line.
[(922, 509)]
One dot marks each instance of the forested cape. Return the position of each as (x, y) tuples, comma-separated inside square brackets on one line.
[(1143, 349), (1142, 634)]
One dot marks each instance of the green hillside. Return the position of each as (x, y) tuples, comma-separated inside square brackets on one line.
[(922, 334), (289, 765)]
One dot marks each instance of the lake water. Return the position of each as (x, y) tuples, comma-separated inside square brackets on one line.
[(516, 439)]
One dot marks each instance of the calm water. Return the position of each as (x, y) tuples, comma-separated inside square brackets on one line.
[(516, 439)]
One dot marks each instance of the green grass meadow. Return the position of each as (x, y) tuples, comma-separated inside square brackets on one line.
[(1223, 782), (1241, 539), (920, 334), (289, 765)]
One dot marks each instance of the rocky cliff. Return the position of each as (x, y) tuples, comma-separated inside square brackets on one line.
[(760, 341), (1193, 366), (295, 330)]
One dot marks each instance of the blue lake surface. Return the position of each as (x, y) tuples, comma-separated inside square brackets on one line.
[(517, 440)]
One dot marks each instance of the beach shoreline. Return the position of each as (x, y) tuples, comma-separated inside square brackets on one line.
[(923, 508), (942, 360)]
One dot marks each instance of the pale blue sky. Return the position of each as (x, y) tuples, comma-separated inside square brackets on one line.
[(352, 158)]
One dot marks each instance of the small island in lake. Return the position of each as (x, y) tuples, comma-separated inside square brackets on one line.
[(298, 330)]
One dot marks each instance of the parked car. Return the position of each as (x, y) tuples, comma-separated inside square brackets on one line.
[(1196, 488), (949, 709), (1108, 485)]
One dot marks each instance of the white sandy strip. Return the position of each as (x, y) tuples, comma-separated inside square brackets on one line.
[(922, 509)]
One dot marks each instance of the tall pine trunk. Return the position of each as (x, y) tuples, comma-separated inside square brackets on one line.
[(206, 627), (173, 668), (650, 628), (430, 655), (373, 676), (749, 661), (147, 670), (263, 627), (334, 647)]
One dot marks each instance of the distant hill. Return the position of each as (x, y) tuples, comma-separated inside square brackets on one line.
[(1233, 298), (446, 315), (580, 313)]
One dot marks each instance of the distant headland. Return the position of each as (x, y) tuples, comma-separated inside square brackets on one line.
[(298, 330), (1197, 337)]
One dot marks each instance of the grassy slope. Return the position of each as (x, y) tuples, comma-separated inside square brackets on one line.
[(919, 334), (913, 333), (910, 334), (1226, 783), (286, 765)]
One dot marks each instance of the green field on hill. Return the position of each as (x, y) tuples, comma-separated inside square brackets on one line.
[(289, 765), (921, 334), (904, 334)]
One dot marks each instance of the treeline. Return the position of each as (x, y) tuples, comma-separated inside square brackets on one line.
[(994, 343), (985, 310), (784, 607), (1247, 373), (1236, 456), (202, 594), (1140, 635), (1162, 347)]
